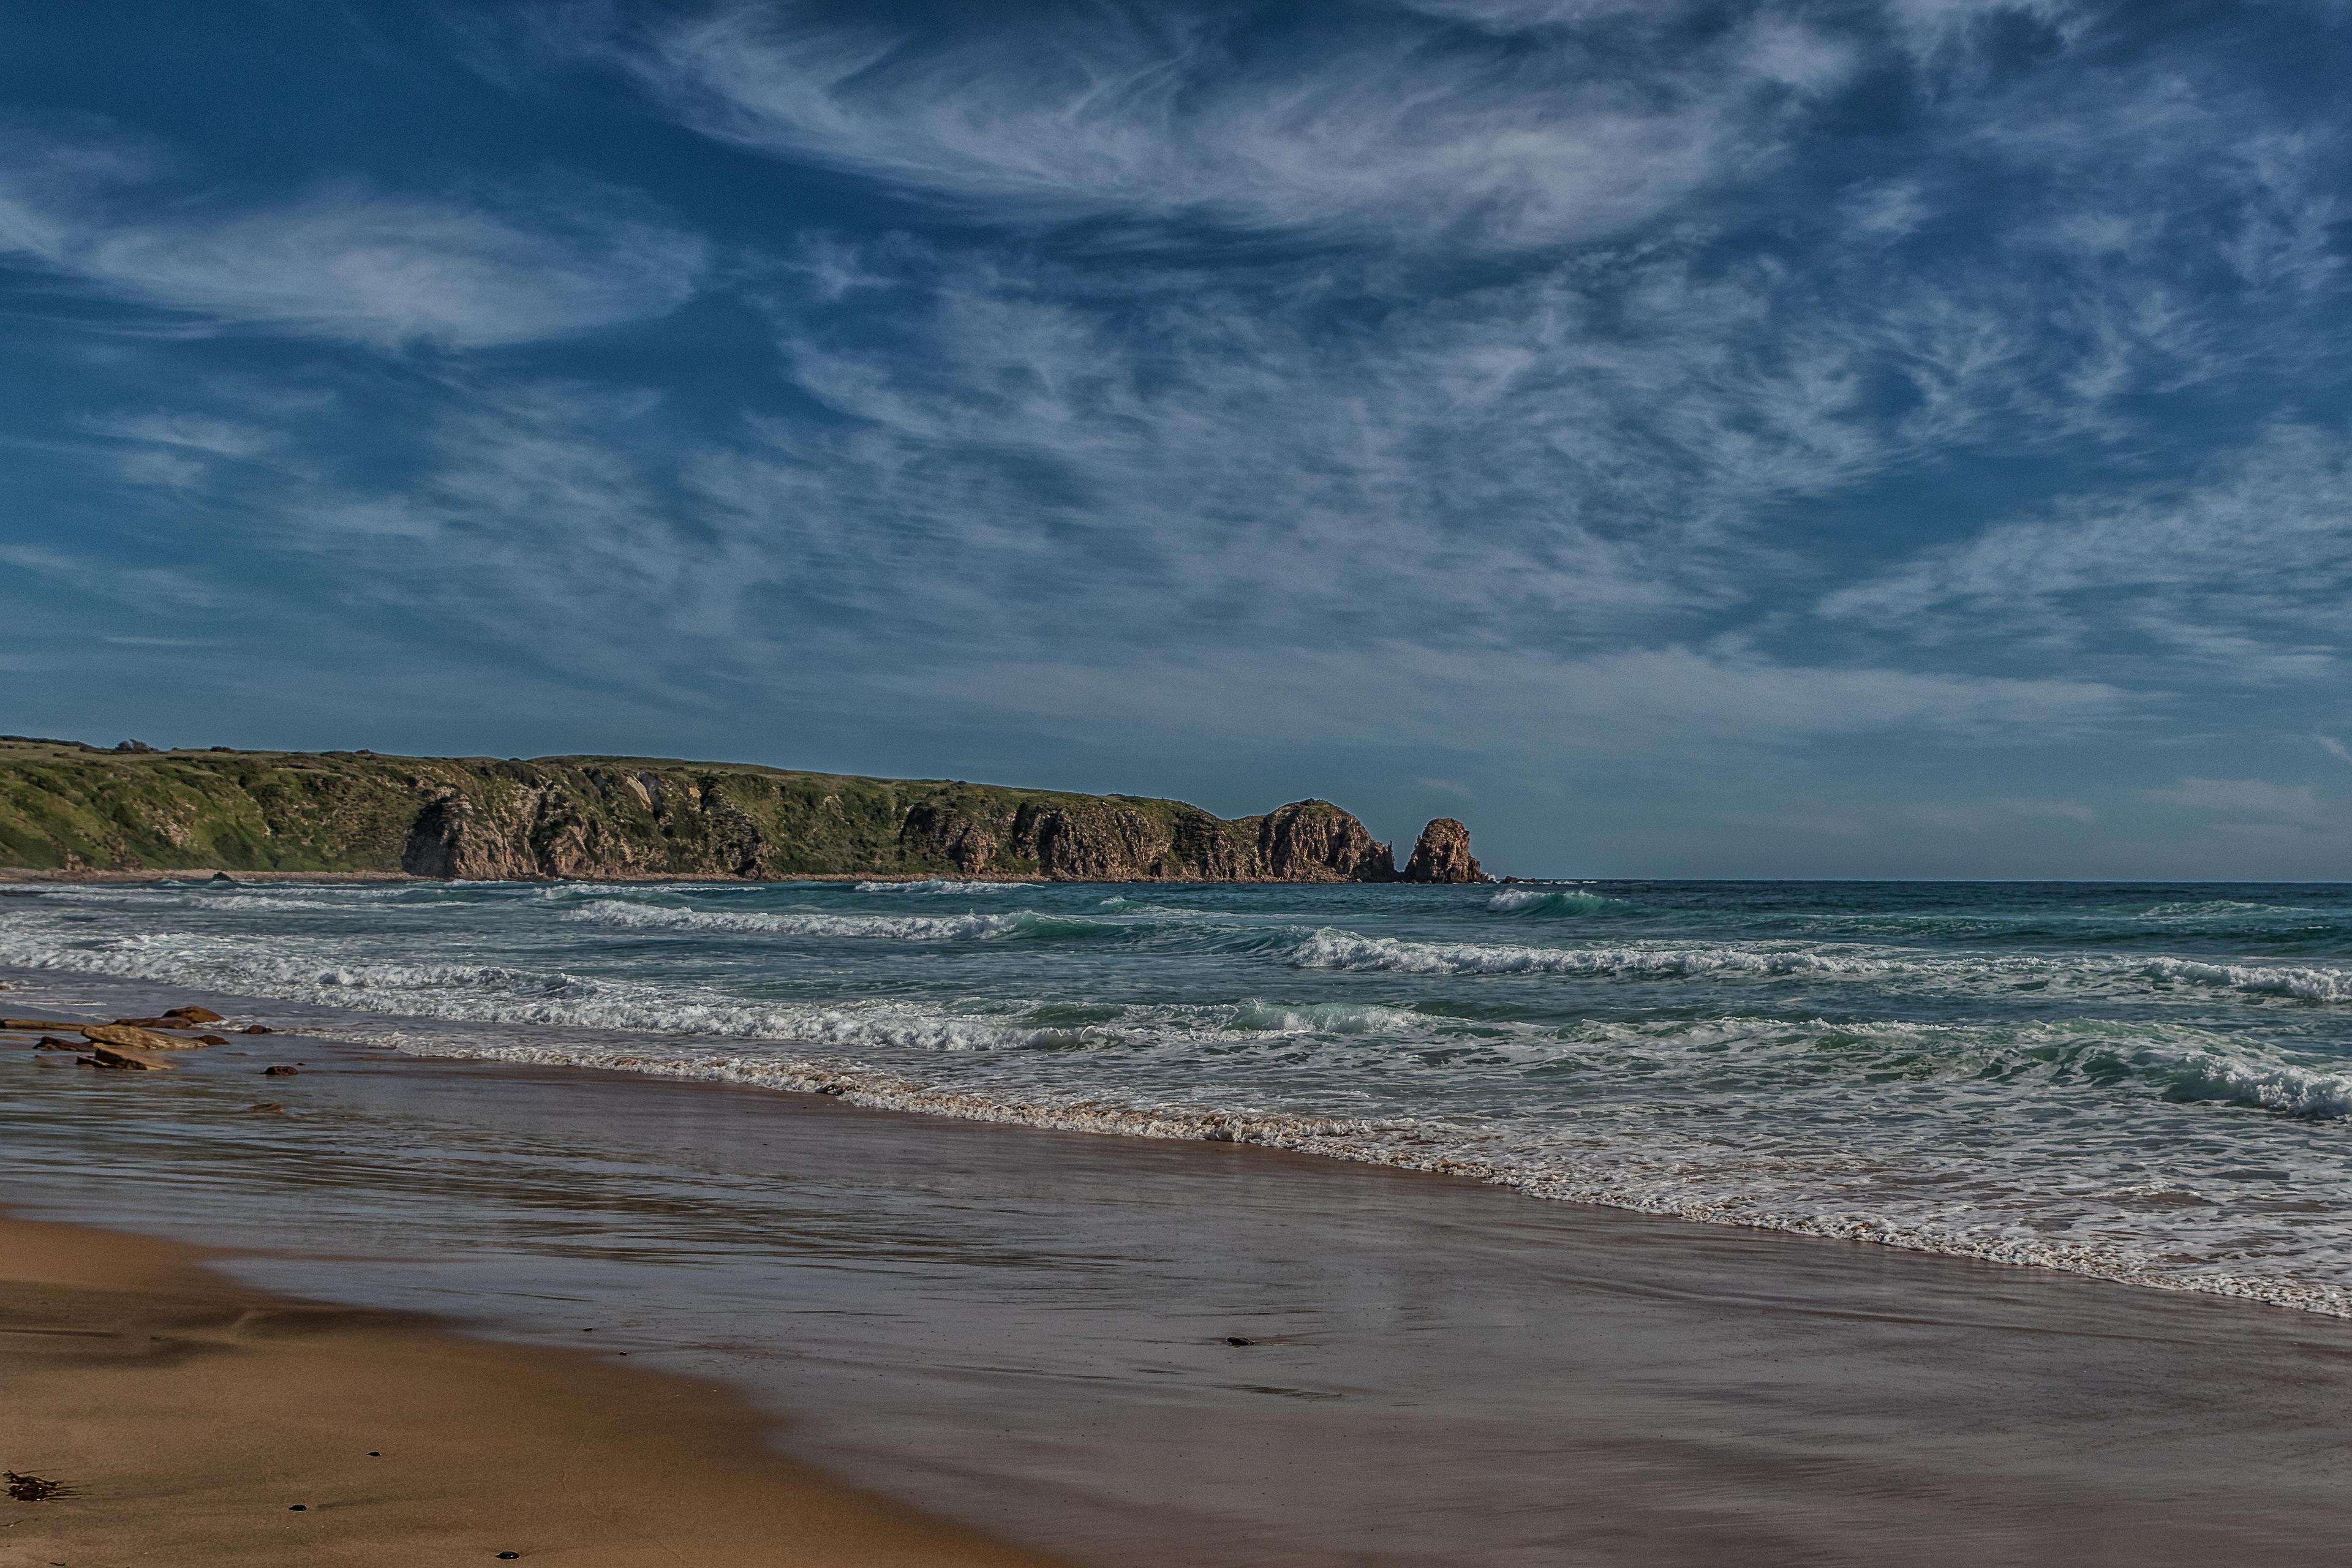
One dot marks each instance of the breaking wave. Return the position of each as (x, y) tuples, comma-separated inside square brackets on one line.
[(1333, 949), (1553, 901), (2090, 1081), (902, 928)]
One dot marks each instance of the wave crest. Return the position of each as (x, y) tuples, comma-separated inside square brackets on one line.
[(629, 916), (1553, 901)]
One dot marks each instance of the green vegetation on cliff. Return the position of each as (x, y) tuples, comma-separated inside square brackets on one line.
[(68, 807)]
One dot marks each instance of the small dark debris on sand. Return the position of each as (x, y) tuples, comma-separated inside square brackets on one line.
[(1237, 1340), (266, 1108), (36, 1488), (281, 1069)]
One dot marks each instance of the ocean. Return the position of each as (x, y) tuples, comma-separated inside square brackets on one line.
[(2143, 1084)]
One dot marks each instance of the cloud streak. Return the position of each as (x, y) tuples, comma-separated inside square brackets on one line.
[(2239, 569), (341, 260), (1142, 114)]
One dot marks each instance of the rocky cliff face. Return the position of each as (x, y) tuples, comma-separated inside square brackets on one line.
[(1114, 839), (615, 818), (1442, 855)]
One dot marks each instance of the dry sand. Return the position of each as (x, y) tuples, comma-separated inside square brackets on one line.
[(189, 1417)]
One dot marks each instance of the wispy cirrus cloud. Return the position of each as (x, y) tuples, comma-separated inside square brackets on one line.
[(2242, 568), (2255, 804), (1143, 113), (343, 260)]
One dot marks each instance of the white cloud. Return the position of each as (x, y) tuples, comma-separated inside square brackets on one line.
[(1131, 113), (2255, 801), (2243, 569), (1650, 704), (341, 260), (205, 434)]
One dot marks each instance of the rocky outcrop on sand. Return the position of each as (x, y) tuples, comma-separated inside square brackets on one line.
[(124, 1059), (126, 1045), (1442, 855), (609, 818), (134, 1037)]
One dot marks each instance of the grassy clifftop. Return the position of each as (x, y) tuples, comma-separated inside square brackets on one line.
[(68, 807)]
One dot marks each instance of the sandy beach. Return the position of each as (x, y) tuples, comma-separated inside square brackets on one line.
[(155, 1412)]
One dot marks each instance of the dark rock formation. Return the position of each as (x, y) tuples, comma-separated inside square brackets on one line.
[(1315, 841), (129, 1036), (126, 1058), (1442, 855)]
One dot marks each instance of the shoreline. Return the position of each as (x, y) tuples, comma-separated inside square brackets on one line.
[(1103, 1346), (178, 1412), (1324, 1137)]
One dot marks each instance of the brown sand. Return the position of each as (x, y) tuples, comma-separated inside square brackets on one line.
[(189, 1416)]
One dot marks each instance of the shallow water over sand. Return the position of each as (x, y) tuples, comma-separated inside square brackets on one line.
[(2142, 1083)]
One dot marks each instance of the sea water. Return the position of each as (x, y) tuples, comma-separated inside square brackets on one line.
[(2145, 1084)]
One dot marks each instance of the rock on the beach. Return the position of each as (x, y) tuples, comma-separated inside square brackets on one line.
[(51, 1043), (254, 1029), (1443, 855), (211, 1039), (121, 1057), (282, 1069), (37, 1026), (132, 1038), (193, 1015)]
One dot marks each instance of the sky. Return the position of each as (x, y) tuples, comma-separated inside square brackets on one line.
[(1904, 438)]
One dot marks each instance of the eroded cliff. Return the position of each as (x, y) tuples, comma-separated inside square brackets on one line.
[(64, 806), (1442, 855)]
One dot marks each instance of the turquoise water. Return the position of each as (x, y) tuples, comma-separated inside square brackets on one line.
[(2144, 1083)]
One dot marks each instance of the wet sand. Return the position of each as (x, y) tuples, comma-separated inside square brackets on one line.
[(188, 1420), (1030, 1330)]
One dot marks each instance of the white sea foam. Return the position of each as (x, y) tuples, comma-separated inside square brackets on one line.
[(939, 886), (903, 928), (2205, 908), (2239, 1078), (1333, 949), (2037, 1106), (1553, 901), (1655, 1174), (2306, 983)]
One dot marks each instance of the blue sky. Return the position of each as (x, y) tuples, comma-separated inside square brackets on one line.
[(1799, 439)]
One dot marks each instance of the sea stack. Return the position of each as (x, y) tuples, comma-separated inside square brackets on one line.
[(1442, 855)]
